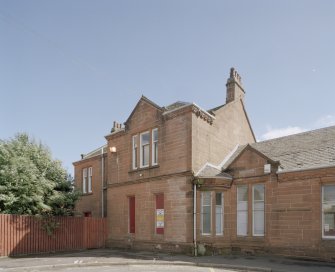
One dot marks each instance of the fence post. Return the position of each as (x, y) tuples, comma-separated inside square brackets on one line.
[(85, 232)]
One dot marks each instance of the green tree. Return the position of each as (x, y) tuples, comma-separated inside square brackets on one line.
[(31, 182)]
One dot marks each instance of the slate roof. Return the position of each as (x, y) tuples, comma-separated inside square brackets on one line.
[(311, 149), (176, 105), (305, 150), (213, 172), (95, 152)]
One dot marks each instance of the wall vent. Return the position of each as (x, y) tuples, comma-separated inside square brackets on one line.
[(267, 168)]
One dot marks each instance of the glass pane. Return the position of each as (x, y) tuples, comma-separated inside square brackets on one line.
[(206, 217), (145, 154), (242, 221), (258, 222), (329, 193), (242, 206), (242, 193), (259, 206), (206, 198), (329, 220), (145, 138), (259, 192), (218, 220), (155, 135), (155, 153), (134, 141), (218, 198), (135, 158)]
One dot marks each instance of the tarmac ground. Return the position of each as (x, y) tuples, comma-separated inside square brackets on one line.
[(142, 260)]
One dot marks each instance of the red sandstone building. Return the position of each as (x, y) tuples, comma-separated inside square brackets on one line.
[(181, 178)]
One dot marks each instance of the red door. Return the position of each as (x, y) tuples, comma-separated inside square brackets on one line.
[(131, 214), (160, 214)]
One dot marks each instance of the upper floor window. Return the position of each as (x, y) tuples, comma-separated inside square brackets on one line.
[(87, 180), (89, 185), (84, 180), (145, 149), (154, 146), (328, 211), (146, 144), (135, 152)]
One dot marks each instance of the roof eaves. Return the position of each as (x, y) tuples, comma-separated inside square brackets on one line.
[(204, 166), (324, 166), (176, 109), (115, 132)]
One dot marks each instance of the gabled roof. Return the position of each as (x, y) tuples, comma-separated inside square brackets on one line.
[(239, 152), (147, 100)]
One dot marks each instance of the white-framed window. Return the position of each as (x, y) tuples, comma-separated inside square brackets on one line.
[(154, 146), (242, 210), (145, 149), (84, 180), (89, 184), (135, 152), (328, 211), (258, 210), (206, 210), (219, 213)]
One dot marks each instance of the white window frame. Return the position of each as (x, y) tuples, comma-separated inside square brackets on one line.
[(141, 150), (202, 213), (237, 210), (322, 211), (154, 146), (89, 182), (253, 210), (222, 214), (84, 180), (134, 154)]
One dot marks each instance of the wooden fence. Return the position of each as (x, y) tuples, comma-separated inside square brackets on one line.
[(28, 234)]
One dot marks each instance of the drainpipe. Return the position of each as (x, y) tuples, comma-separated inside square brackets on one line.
[(195, 219), (102, 182)]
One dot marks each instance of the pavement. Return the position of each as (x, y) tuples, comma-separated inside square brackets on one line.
[(113, 257)]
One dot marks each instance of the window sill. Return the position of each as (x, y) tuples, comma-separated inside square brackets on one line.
[(143, 168), (328, 238), (87, 194)]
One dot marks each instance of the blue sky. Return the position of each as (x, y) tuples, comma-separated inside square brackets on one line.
[(69, 68)]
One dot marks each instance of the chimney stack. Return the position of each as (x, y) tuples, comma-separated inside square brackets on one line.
[(116, 127), (234, 86)]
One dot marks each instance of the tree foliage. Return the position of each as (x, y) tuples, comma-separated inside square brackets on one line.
[(31, 182)]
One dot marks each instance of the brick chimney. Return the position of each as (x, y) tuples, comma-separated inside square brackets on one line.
[(116, 127), (234, 86)]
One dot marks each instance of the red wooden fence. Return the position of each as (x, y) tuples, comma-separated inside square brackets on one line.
[(27, 235)]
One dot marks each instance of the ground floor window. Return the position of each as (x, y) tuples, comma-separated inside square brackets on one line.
[(219, 213), (209, 215), (328, 211), (242, 210), (258, 210), (206, 209)]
